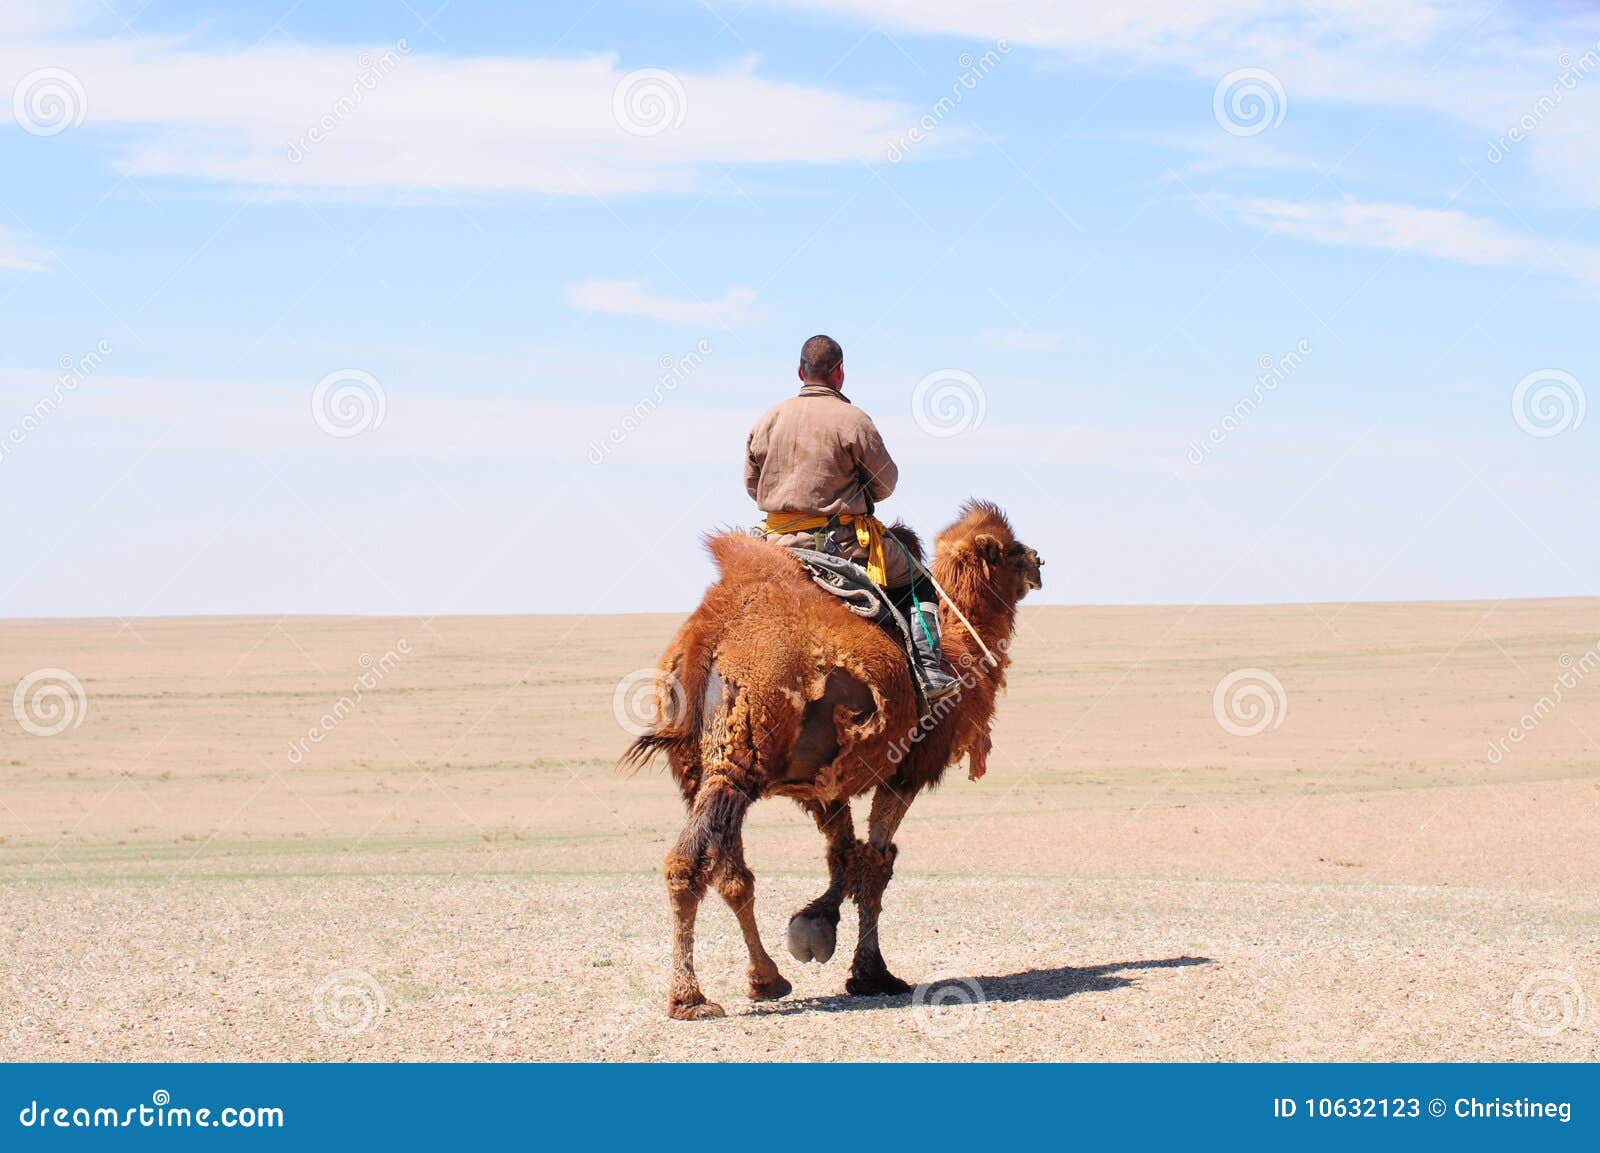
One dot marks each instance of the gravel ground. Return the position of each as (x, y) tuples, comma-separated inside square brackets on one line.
[(530, 967), (455, 872)]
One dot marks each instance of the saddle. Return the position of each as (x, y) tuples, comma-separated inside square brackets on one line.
[(849, 582)]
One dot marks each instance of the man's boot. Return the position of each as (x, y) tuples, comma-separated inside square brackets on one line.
[(936, 683)]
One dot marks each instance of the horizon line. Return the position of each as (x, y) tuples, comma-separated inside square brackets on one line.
[(1131, 606)]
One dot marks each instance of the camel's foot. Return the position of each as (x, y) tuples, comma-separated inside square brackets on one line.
[(876, 983), (812, 936), (700, 1010), (770, 987)]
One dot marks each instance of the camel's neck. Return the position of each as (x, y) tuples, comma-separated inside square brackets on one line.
[(994, 624), (992, 617)]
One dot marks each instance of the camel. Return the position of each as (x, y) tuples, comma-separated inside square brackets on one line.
[(772, 688)]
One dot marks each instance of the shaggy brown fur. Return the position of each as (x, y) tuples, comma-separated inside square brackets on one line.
[(773, 688)]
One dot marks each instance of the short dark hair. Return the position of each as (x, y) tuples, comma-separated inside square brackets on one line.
[(819, 356)]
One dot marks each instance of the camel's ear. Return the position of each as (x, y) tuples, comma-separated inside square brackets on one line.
[(989, 548)]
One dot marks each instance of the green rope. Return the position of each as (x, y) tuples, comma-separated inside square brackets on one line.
[(916, 601)]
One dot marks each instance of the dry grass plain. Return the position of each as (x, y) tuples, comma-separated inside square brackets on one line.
[(455, 871)]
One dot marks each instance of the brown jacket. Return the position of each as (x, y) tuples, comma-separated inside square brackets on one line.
[(817, 453)]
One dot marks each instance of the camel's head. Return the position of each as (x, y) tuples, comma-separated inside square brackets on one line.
[(982, 546)]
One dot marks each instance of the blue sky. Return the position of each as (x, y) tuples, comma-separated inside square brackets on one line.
[(1225, 303)]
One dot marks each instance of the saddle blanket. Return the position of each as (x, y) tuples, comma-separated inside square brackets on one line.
[(849, 582)]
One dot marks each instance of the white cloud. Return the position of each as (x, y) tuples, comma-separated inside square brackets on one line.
[(629, 298), (33, 16), (19, 255), (1314, 42), (446, 125), (1060, 23), (1485, 65), (394, 118), (1444, 234), (1215, 152), (1020, 339), (1523, 87)]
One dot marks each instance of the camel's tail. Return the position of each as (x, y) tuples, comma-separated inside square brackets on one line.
[(677, 735), (644, 747), (681, 696)]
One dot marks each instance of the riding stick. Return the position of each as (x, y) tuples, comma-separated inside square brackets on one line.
[(960, 616)]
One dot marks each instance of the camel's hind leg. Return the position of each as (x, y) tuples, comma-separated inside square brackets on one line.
[(871, 866), (813, 930), (737, 884), (714, 819), (711, 849)]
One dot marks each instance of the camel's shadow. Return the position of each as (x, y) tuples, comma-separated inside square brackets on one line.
[(1030, 985)]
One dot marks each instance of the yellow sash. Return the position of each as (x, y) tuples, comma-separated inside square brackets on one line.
[(869, 535)]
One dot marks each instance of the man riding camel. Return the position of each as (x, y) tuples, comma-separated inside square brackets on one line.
[(816, 466)]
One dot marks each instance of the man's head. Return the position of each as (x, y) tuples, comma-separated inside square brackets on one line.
[(822, 362)]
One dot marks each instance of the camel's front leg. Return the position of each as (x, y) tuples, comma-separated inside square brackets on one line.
[(813, 930), (871, 866)]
